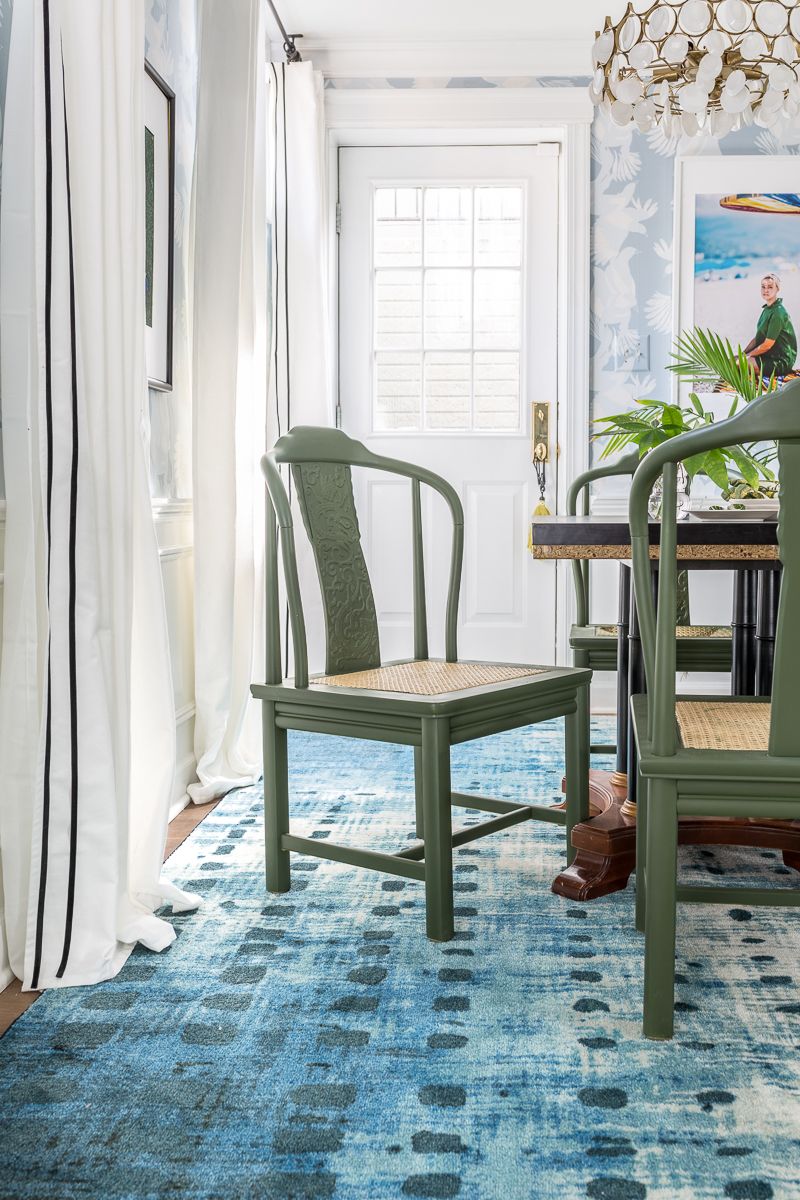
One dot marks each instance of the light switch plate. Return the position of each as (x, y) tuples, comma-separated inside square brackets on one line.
[(631, 353)]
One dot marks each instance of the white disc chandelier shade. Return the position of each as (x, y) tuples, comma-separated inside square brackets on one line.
[(693, 66)]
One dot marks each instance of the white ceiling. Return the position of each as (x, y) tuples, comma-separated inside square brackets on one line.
[(440, 21)]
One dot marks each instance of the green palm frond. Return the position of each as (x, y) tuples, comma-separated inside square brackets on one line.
[(703, 356)]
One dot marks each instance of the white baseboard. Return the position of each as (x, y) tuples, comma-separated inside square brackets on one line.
[(604, 690)]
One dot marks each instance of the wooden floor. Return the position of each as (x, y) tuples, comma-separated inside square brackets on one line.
[(13, 1001)]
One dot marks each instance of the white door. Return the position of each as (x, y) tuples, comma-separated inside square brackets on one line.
[(448, 302)]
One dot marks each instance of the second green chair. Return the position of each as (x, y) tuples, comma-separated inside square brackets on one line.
[(421, 702)]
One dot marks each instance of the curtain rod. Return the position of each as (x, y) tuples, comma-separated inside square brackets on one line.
[(289, 48)]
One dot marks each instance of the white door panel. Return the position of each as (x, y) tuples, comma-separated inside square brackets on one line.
[(447, 324)]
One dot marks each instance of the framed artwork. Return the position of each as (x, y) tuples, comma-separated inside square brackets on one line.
[(737, 254), (159, 208)]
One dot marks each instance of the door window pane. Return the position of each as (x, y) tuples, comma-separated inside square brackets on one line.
[(496, 391), (448, 304), (448, 227), (447, 275), (398, 310), (398, 391), (448, 384), (398, 227)]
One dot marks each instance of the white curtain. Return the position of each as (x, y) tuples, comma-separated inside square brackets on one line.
[(235, 203), (86, 710)]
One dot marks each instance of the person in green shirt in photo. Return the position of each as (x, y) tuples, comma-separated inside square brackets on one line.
[(774, 348)]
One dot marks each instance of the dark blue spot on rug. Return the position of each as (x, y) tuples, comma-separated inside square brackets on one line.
[(598, 1043), (307, 1140), (439, 1187), (707, 1100), (464, 911), (782, 980), (788, 1008), (611, 1147), (251, 948), (83, 1035), (577, 914), (683, 1006), (243, 974), (734, 1151), (442, 1096), (615, 1189), (347, 1038), (579, 937), (133, 973), (603, 1097), (373, 950), (447, 1041), (426, 1142), (260, 934), (393, 885), (385, 910), (227, 1002), (210, 866), (44, 1090), (699, 1045), (226, 849), (306, 866), (109, 1000), (277, 910), (761, 958), (367, 975), (588, 1005), (586, 976), (748, 1189), (581, 954), (740, 914), (455, 975), (451, 1004), (206, 1033), (324, 1095), (467, 886), (377, 935), (361, 1004)]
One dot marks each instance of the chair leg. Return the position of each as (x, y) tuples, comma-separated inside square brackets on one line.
[(577, 756), (641, 854), (438, 828), (659, 945), (420, 807), (276, 800)]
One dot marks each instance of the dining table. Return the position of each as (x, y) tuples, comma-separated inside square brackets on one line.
[(605, 844)]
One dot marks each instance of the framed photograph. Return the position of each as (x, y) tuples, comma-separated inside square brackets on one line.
[(159, 209), (737, 254)]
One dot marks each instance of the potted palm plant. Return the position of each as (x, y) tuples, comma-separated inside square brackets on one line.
[(709, 362)]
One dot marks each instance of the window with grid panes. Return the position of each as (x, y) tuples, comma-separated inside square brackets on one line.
[(447, 301)]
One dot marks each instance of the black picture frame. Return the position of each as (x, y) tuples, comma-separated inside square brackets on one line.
[(161, 380)]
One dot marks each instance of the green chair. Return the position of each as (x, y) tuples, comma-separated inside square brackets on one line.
[(421, 702), (702, 757), (595, 645)]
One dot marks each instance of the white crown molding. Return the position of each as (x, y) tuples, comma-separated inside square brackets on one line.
[(436, 60), (470, 109)]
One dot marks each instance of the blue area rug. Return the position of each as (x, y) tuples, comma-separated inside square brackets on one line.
[(317, 1045)]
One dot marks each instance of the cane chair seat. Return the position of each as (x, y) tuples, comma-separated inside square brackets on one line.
[(429, 677), (734, 725), (681, 631)]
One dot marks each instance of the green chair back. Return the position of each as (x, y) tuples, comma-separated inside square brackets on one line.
[(578, 501), (320, 460), (772, 417)]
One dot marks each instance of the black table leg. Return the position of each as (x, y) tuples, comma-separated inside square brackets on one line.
[(769, 591), (637, 685), (743, 630), (623, 695)]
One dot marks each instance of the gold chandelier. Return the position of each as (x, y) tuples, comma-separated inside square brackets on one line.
[(692, 66)]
